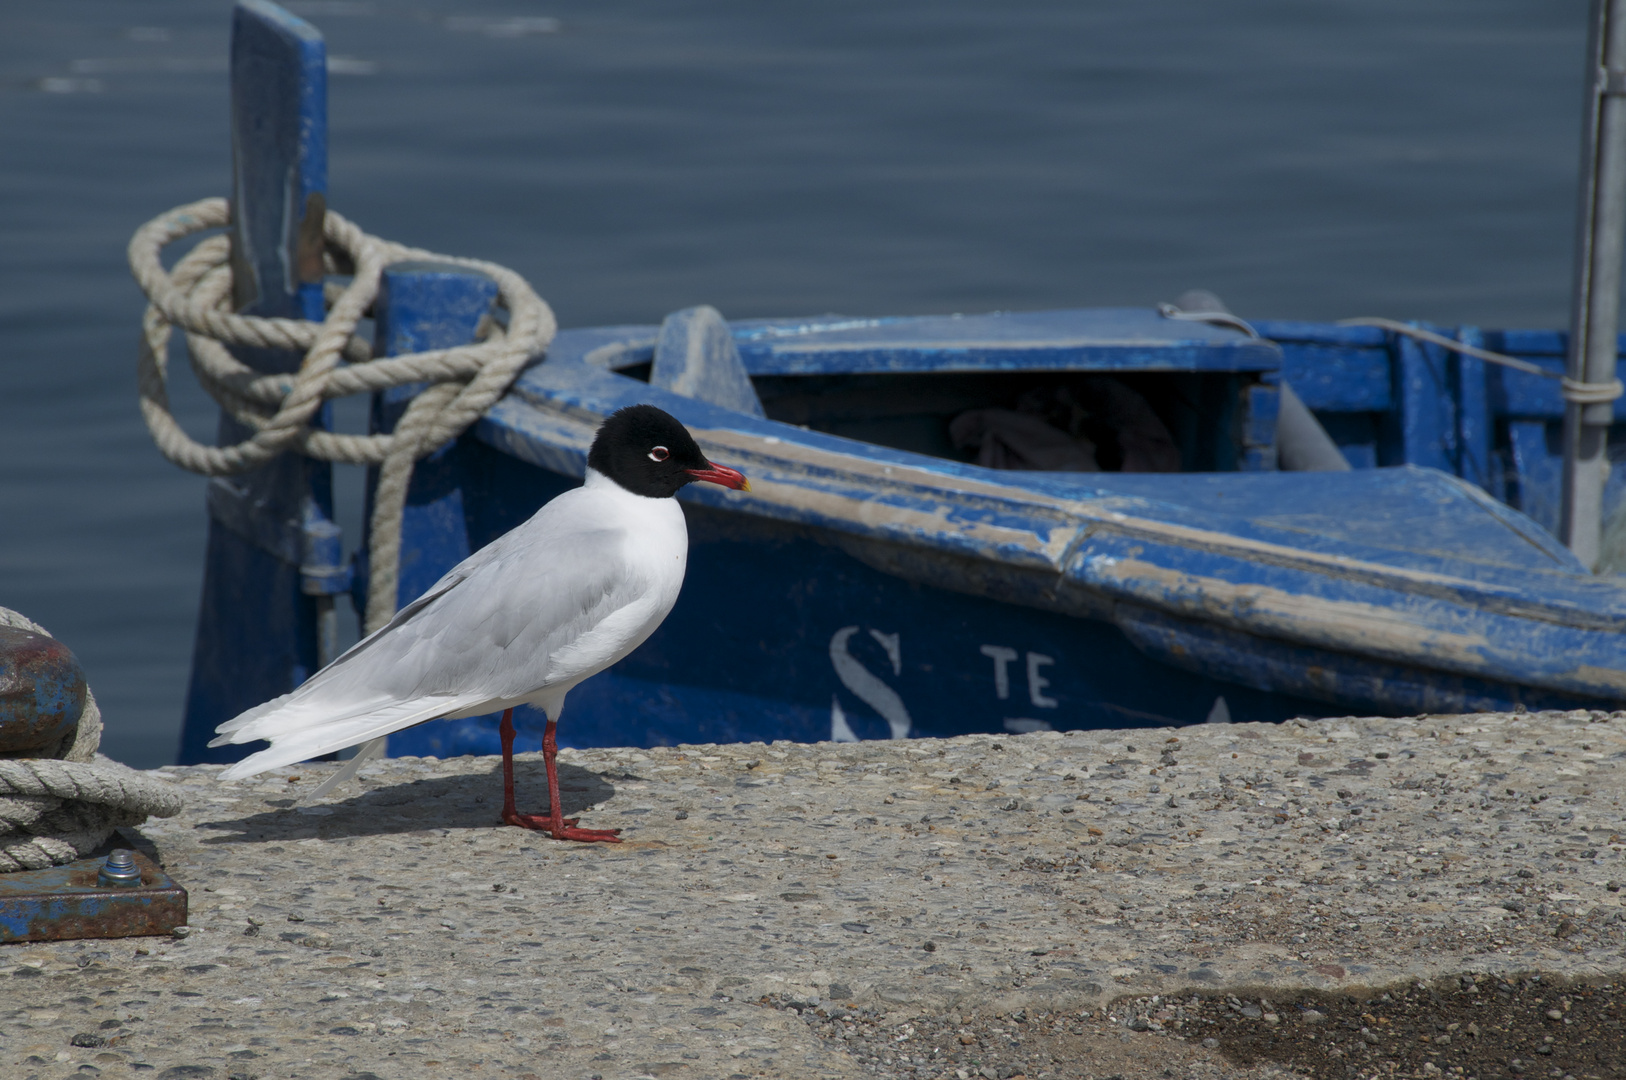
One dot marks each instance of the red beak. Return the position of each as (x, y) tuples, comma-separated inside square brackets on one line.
[(721, 474)]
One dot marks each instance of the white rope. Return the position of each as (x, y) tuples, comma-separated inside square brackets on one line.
[(64, 803), (1574, 390), (196, 296), (1585, 393)]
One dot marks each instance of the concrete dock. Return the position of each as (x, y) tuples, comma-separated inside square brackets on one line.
[(395, 930)]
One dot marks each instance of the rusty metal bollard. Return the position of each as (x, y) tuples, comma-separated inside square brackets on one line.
[(42, 691)]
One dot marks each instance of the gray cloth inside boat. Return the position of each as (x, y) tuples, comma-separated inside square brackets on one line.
[(62, 802), (1092, 424)]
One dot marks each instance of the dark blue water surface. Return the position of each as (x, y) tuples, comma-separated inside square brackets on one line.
[(1411, 159)]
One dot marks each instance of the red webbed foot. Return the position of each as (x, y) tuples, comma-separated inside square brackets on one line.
[(586, 836), (540, 822), (563, 829)]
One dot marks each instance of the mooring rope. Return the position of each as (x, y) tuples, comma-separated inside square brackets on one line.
[(63, 802), (196, 296)]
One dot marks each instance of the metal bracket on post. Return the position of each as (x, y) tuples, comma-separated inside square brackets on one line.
[(272, 568), (1594, 319)]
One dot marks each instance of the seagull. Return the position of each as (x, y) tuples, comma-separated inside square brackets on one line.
[(553, 602)]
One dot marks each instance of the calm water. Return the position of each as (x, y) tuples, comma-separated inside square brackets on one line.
[(1411, 159)]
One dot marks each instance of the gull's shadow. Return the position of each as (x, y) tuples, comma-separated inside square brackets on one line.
[(467, 801)]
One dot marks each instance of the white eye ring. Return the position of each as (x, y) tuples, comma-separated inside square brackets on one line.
[(660, 453)]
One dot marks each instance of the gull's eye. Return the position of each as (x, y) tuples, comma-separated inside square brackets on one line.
[(660, 453)]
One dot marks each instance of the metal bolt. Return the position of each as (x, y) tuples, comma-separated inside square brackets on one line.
[(120, 869)]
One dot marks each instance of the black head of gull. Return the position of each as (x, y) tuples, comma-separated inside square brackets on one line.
[(646, 451)]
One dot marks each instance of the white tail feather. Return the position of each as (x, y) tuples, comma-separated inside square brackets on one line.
[(335, 733), (368, 752)]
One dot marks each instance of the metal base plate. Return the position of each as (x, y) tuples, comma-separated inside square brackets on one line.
[(64, 903)]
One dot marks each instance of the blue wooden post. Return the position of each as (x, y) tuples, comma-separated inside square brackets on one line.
[(272, 566), (1261, 404), (1475, 460), (1538, 469), (423, 306), (1422, 429)]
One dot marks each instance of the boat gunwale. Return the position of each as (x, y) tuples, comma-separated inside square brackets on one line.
[(866, 472)]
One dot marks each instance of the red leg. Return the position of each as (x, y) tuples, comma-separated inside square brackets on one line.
[(555, 823)]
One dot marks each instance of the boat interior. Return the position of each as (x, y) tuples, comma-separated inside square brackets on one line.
[(1079, 391)]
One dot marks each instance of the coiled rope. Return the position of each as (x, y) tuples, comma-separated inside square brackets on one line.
[(63, 803), (196, 297)]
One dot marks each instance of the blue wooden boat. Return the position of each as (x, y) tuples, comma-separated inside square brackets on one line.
[(877, 583)]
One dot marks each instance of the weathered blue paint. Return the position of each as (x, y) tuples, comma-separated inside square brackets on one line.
[(1334, 379), (1422, 430), (1475, 425), (279, 158), (1097, 339), (695, 356), (1260, 405), (64, 903), (257, 624)]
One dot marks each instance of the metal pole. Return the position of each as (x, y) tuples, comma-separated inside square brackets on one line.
[(1599, 247)]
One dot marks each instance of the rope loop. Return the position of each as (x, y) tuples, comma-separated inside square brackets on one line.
[(195, 297), (1589, 393)]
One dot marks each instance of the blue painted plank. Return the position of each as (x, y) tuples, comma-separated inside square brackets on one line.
[(1261, 405), (1537, 471), (1448, 527), (608, 347), (1536, 462), (1358, 683), (1285, 331), (1522, 394), (1421, 429), (1339, 379), (257, 634), (279, 159), (1475, 424), (1096, 339)]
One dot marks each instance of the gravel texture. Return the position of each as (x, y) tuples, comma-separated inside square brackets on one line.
[(396, 931), (1478, 1026), (1475, 1026)]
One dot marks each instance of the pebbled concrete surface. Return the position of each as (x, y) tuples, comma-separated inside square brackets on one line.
[(393, 930)]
